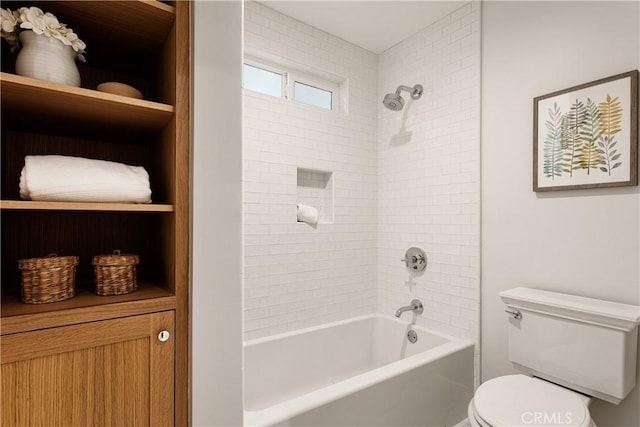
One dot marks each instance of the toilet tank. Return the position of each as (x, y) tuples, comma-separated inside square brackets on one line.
[(585, 344)]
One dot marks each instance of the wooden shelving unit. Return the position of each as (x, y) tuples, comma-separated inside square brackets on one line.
[(144, 43), (24, 95), (84, 307), (76, 206)]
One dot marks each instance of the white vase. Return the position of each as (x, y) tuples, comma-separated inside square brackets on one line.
[(46, 58)]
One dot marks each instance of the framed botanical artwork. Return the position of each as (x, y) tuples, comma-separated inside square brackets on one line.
[(587, 136)]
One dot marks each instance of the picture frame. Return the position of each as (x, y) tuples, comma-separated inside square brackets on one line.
[(586, 136)]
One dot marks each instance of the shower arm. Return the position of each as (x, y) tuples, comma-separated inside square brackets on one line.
[(416, 91), (405, 88)]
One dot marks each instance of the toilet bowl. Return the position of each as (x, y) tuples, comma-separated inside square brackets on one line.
[(519, 400)]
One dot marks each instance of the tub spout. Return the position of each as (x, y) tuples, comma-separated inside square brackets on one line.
[(415, 306)]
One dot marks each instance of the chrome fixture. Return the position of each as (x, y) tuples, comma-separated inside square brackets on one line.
[(395, 102), (416, 260), (412, 336), (415, 306), (514, 313)]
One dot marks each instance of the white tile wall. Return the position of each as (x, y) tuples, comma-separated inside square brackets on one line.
[(400, 179), (429, 173), (295, 275)]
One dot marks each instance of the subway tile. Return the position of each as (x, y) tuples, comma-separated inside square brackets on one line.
[(387, 195)]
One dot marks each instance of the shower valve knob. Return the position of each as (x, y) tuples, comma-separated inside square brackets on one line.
[(415, 259), (419, 259)]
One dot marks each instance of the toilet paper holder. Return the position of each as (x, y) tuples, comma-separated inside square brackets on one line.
[(415, 259)]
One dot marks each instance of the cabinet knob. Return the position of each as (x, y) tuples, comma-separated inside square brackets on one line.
[(163, 336)]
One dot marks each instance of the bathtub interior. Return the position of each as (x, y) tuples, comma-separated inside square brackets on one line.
[(290, 365)]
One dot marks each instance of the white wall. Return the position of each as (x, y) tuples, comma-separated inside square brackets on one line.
[(583, 242), (217, 211), (295, 275), (429, 173)]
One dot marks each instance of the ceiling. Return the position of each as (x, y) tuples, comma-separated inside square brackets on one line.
[(371, 24)]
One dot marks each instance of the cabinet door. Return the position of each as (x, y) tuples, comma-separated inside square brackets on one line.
[(109, 373)]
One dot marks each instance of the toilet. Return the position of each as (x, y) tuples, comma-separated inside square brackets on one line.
[(570, 350)]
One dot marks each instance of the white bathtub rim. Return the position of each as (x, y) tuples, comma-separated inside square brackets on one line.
[(405, 323), (277, 413)]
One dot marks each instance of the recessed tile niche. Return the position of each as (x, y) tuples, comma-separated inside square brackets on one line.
[(315, 188)]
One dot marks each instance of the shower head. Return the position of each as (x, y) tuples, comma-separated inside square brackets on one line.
[(395, 102)]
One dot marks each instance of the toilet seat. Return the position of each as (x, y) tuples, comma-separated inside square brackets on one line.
[(519, 400)]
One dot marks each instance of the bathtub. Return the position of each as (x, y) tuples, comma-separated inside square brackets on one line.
[(358, 372)]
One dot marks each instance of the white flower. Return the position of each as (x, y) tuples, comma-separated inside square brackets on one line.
[(68, 37), (9, 20), (51, 21), (77, 44), (32, 18), (60, 34)]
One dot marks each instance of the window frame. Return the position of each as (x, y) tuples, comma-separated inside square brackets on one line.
[(290, 77)]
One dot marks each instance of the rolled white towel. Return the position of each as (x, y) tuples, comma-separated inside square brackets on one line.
[(76, 179), (307, 214)]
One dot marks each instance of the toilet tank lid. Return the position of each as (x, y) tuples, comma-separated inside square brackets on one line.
[(609, 313)]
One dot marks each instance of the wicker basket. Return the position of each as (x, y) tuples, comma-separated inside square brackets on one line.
[(48, 279), (115, 274)]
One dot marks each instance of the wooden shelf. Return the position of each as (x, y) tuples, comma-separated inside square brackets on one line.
[(140, 24), (145, 44), (84, 307), (77, 206), (81, 106)]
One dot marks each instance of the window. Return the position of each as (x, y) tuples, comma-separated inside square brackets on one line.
[(263, 81), (291, 85), (312, 95)]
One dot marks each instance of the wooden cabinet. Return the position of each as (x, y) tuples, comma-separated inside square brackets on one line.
[(143, 43), (113, 372)]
